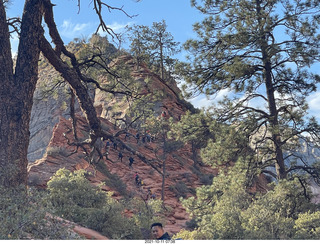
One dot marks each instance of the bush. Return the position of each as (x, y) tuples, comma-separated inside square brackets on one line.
[(180, 189), (55, 151), (74, 198), (113, 180), (70, 190), (307, 226), (23, 215), (206, 179), (146, 213), (192, 224)]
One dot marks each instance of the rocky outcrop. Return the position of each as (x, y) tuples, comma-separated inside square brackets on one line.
[(181, 177), (51, 126)]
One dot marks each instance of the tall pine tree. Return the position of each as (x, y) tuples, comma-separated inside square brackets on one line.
[(261, 51), (154, 45)]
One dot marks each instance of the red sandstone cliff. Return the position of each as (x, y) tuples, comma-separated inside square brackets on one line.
[(179, 165), (179, 169)]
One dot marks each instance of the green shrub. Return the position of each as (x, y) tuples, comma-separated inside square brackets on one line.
[(180, 189), (24, 215), (307, 226), (206, 179), (113, 180), (55, 151), (74, 198)]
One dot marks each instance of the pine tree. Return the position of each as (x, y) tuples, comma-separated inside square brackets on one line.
[(261, 51), (154, 45), (19, 81)]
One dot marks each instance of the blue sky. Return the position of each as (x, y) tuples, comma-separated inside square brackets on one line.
[(178, 14)]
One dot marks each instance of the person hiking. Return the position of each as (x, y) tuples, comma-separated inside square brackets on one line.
[(137, 137), (108, 144), (120, 156), (131, 160), (157, 232), (148, 138), (139, 182), (149, 193), (115, 145), (127, 136), (136, 178)]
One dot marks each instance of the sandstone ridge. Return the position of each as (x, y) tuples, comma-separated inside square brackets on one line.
[(52, 125)]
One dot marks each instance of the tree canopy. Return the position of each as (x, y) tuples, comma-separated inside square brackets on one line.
[(261, 51), (20, 80), (154, 45)]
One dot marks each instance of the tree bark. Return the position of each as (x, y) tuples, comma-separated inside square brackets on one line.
[(77, 87), (161, 56), (16, 93), (273, 112)]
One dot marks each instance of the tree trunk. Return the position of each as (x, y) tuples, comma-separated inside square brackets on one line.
[(161, 57), (16, 93), (276, 138), (77, 87), (163, 180), (194, 153), (273, 113)]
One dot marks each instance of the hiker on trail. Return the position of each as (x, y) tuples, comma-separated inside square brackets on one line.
[(164, 115), (131, 162), (127, 136), (140, 182), (115, 145), (157, 232), (108, 145), (136, 178), (137, 137), (120, 156), (149, 193), (148, 138)]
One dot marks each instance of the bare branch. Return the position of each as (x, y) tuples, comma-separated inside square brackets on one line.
[(15, 24)]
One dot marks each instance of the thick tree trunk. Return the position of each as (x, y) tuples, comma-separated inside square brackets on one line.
[(276, 138), (16, 93), (273, 113), (77, 87)]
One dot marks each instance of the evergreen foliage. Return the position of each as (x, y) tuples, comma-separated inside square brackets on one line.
[(227, 210), (239, 49), (24, 215), (74, 198), (154, 45)]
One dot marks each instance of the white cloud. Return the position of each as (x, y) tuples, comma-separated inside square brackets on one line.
[(203, 101), (314, 104), (72, 30), (116, 27), (221, 94), (200, 101)]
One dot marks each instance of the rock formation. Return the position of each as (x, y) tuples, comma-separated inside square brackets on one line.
[(51, 126)]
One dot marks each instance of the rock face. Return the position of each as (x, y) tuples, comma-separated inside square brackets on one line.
[(45, 114), (49, 150), (181, 176)]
